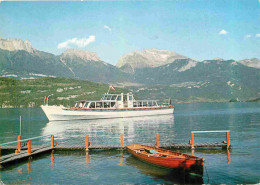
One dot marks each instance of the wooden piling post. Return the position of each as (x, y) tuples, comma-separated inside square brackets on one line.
[(19, 143), (52, 141), (192, 140), (122, 141), (157, 140), (87, 142), (29, 147), (228, 140)]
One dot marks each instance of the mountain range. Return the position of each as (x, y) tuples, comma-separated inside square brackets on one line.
[(151, 72)]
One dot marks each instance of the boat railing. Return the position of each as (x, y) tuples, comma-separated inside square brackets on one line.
[(145, 103)]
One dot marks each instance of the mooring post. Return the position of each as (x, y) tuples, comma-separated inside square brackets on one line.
[(122, 141), (19, 143), (192, 140), (228, 140), (157, 140), (87, 142), (52, 141), (29, 147)]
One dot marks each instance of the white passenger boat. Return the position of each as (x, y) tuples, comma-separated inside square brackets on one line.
[(110, 106)]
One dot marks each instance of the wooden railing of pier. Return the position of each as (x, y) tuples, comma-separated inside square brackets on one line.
[(23, 152), (227, 143)]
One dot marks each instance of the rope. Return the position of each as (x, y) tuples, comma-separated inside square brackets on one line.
[(207, 173)]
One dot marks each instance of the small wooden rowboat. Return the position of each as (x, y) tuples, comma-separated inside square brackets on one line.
[(167, 159)]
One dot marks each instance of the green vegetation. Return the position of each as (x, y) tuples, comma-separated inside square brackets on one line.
[(31, 92), (254, 100)]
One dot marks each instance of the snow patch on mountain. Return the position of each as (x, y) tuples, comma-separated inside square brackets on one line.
[(190, 64)]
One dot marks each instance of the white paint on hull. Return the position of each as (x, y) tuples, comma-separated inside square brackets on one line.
[(58, 113)]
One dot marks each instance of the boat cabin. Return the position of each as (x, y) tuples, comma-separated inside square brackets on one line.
[(116, 101)]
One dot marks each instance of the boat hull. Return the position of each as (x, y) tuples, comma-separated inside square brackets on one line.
[(59, 113), (190, 164)]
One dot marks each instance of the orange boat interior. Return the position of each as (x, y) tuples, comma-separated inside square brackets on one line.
[(158, 152)]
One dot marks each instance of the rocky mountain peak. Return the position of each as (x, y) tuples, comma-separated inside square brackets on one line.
[(219, 59), (15, 44), (82, 54), (254, 62), (148, 58)]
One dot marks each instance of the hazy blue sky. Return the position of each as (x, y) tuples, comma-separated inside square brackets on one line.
[(200, 29)]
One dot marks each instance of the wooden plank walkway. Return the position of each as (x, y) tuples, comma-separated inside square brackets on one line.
[(111, 147), (10, 158)]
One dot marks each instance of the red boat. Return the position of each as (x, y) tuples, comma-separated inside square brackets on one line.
[(167, 159)]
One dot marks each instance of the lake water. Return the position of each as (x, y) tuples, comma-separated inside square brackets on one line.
[(240, 165)]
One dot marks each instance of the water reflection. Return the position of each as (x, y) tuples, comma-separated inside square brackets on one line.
[(228, 156), (209, 151), (107, 131), (87, 158), (29, 169), (52, 159), (121, 158)]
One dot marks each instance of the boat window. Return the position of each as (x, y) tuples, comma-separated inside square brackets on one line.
[(81, 104), (114, 97), (86, 104), (99, 105), (119, 98), (92, 105), (106, 105), (130, 97), (113, 104), (105, 97)]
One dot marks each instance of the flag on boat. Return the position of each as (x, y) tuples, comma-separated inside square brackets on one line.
[(45, 98), (112, 87)]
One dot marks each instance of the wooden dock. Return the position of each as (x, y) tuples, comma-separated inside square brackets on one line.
[(27, 151), (21, 153), (14, 157), (115, 147)]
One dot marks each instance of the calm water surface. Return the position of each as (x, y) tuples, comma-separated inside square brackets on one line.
[(241, 165)]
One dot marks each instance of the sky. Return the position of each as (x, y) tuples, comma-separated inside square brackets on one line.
[(199, 29)]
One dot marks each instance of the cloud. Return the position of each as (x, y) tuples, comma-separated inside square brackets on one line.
[(77, 42), (248, 36), (107, 27), (223, 32), (257, 35)]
